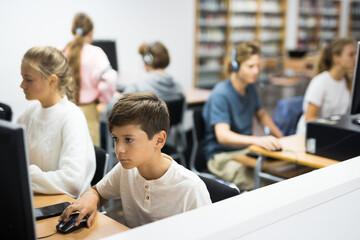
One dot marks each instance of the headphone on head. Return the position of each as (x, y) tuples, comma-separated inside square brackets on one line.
[(234, 63), (148, 57)]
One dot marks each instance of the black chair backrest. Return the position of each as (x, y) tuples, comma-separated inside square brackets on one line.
[(218, 191), (199, 126), (176, 109), (5, 112), (100, 156), (176, 105)]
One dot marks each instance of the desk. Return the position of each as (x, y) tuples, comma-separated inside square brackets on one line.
[(102, 227), (293, 151), (196, 96), (279, 168)]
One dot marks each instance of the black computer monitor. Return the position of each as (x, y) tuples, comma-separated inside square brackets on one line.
[(17, 218), (355, 93), (109, 48), (2, 113)]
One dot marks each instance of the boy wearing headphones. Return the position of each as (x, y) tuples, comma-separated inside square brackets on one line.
[(228, 116), (156, 58)]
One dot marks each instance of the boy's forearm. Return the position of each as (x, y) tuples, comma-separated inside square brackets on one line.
[(225, 136), (273, 128), (265, 120), (92, 196), (233, 139), (100, 200)]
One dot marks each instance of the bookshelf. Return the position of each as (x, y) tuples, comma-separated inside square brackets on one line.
[(210, 41), (354, 20), (318, 23), (222, 24)]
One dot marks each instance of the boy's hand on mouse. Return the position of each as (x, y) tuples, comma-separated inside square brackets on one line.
[(270, 143), (86, 205)]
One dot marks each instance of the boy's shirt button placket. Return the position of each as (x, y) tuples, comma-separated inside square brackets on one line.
[(147, 201)]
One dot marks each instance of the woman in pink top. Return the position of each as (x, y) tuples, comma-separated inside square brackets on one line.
[(95, 79)]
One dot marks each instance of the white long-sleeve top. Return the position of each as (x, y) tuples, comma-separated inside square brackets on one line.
[(61, 152)]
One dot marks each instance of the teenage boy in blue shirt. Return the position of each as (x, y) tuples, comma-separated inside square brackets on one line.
[(228, 116)]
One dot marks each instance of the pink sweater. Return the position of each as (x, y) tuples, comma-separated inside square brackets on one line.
[(95, 65)]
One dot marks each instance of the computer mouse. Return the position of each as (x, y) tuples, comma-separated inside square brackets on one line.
[(69, 226)]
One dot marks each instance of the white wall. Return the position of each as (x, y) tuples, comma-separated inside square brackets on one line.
[(26, 23)]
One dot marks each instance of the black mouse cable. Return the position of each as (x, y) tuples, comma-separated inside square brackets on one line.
[(52, 234)]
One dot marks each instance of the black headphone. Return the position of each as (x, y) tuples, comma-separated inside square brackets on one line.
[(148, 57), (234, 63)]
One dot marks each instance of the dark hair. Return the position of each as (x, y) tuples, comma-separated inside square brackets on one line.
[(82, 25), (48, 60), (142, 108), (159, 53), (243, 52)]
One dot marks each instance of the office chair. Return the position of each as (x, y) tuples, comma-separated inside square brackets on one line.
[(218, 191), (5, 112), (197, 158), (198, 162), (287, 114), (177, 108), (102, 159)]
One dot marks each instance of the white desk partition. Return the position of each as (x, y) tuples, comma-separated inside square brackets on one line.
[(323, 204)]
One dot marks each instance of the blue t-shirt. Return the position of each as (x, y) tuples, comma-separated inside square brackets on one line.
[(225, 105)]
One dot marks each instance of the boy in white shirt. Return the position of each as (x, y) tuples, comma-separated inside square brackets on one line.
[(151, 185)]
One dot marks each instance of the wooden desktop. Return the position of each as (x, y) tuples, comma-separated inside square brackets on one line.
[(293, 151), (196, 96), (102, 227)]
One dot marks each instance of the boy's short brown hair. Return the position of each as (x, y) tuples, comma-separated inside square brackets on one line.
[(142, 108), (243, 52)]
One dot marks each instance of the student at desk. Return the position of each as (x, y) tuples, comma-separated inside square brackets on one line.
[(157, 81), (329, 91), (156, 58), (150, 184), (62, 157), (228, 116), (94, 78)]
